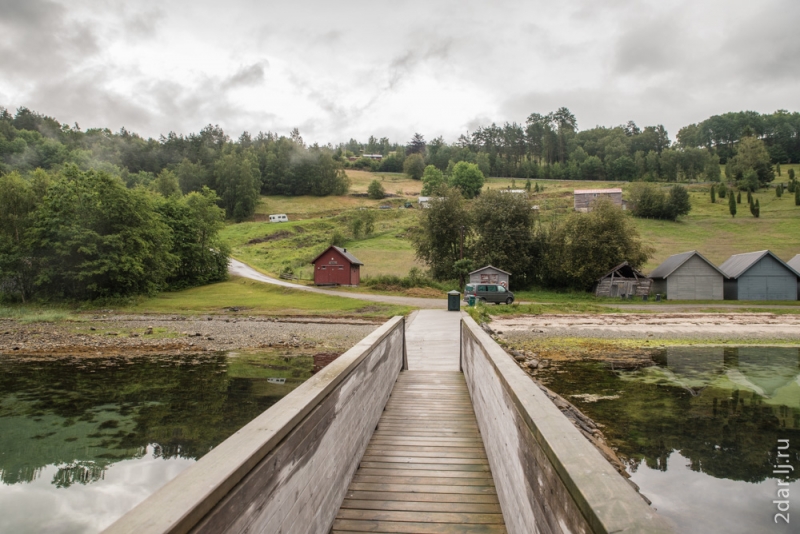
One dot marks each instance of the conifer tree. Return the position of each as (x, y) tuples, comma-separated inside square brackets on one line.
[(713, 195), (739, 197), (732, 205)]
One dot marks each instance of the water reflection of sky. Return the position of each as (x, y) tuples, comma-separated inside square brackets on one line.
[(84, 441), (699, 429), (39, 507), (697, 503)]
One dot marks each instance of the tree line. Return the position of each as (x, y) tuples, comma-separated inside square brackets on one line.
[(82, 235), (238, 170), (502, 230)]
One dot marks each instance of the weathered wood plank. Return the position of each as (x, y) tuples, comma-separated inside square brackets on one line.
[(422, 488), (463, 518), (421, 496), (342, 525), (424, 478), (399, 471), (424, 506)]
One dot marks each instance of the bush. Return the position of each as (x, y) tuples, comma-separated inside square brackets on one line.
[(375, 190), (649, 201)]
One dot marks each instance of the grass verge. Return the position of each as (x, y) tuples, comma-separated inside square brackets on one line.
[(258, 298)]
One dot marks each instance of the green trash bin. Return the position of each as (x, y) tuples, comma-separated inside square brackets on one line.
[(454, 301), (471, 300)]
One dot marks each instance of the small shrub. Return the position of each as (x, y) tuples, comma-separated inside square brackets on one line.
[(375, 190)]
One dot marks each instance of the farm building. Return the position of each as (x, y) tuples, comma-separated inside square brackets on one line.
[(622, 280), (794, 263), (584, 198), (759, 276), (336, 266), (490, 275), (688, 276)]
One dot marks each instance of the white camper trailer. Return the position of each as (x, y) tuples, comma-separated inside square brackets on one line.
[(280, 217)]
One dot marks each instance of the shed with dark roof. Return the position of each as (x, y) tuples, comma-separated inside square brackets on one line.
[(759, 276), (336, 266), (688, 276)]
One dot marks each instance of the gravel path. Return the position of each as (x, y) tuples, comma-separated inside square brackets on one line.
[(127, 335)]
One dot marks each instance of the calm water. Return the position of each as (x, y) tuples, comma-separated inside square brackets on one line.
[(700, 431), (83, 441)]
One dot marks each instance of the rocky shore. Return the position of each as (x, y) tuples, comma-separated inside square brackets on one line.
[(132, 335)]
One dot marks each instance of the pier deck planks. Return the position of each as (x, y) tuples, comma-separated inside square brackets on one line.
[(425, 468)]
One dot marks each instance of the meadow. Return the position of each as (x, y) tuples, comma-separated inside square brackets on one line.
[(709, 228)]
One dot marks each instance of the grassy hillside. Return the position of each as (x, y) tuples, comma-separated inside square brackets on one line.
[(709, 228)]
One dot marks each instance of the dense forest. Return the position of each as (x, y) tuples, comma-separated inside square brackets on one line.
[(551, 146)]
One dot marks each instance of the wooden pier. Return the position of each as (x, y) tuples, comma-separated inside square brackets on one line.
[(425, 426), (425, 468)]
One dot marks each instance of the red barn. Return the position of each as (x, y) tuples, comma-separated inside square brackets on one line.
[(336, 266)]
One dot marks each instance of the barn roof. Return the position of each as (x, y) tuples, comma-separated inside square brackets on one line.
[(596, 191), (671, 264), (343, 251), (794, 263), (490, 267), (738, 264), (625, 270)]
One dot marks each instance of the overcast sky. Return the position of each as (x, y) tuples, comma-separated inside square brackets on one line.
[(344, 69)]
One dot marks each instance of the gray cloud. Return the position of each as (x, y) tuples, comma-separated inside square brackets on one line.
[(246, 76), (359, 68)]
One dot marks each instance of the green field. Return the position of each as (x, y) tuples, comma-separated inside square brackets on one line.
[(709, 228), (258, 298)]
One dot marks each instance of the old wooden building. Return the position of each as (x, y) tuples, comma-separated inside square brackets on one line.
[(336, 266), (623, 280), (490, 275), (688, 276), (759, 276), (583, 199)]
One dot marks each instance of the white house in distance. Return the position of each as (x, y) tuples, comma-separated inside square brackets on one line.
[(584, 198)]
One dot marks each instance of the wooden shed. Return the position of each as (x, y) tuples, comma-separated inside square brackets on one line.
[(490, 275), (336, 266), (584, 198), (622, 280), (759, 276), (688, 276), (794, 263)]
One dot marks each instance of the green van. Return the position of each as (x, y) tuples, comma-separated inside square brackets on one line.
[(488, 293)]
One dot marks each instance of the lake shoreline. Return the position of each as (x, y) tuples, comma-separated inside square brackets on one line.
[(138, 335)]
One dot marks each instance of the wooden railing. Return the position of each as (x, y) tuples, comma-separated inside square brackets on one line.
[(549, 478), (288, 469)]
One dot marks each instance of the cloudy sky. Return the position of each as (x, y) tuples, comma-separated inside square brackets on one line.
[(352, 68)]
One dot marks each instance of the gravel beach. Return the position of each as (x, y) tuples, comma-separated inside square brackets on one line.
[(130, 335)]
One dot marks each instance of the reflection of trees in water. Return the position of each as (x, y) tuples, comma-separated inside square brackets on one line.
[(80, 473), (97, 412), (724, 432)]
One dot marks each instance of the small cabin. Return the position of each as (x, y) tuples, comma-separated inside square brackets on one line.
[(623, 280), (336, 267), (583, 199), (278, 217), (688, 276), (490, 275), (794, 263), (759, 276)]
